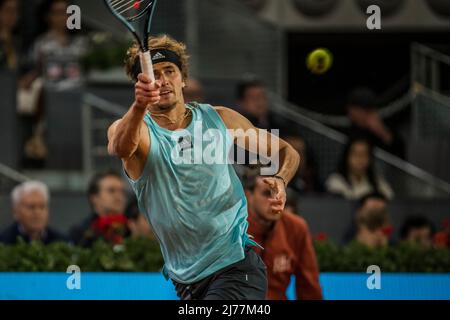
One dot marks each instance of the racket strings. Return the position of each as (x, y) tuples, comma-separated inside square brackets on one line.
[(124, 6), (129, 12)]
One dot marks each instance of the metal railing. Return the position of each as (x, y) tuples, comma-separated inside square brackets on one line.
[(343, 121), (430, 127), (415, 181), (9, 173), (412, 180), (93, 104), (425, 67), (9, 178)]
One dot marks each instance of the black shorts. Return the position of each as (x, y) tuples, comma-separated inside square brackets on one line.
[(243, 280)]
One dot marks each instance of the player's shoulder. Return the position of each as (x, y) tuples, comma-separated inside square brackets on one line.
[(223, 112), (226, 113), (113, 126), (222, 109), (232, 118), (117, 122), (204, 107)]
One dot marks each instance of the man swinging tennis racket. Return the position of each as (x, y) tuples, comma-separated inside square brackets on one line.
[(197, 209)]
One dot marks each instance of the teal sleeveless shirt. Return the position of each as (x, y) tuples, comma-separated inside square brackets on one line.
[(192, 197)]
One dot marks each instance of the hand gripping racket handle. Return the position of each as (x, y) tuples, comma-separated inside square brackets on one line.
[(147, 65)]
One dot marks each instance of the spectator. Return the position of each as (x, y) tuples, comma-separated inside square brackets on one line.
[(287, 243), (55, 59), (441, 238), (11, 58), (57, 52), (306, 180), (9, 42), (372, 220), (137, 223), (356, 174), (254, 104), (107, 197), (366, 122), (417, 229), (193, 92), (30, 202)]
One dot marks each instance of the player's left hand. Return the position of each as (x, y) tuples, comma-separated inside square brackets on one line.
[(278, 194)]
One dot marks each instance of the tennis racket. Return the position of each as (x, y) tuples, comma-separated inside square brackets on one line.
[(129, 12)]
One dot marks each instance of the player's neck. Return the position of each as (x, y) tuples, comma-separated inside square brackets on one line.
[(176, 118)]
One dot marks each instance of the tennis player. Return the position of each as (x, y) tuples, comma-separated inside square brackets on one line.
[(197, 209)]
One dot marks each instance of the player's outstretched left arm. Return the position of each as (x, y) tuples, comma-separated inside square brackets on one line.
[(267, 145)]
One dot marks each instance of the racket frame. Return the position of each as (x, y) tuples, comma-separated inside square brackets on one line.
[(144, 55)]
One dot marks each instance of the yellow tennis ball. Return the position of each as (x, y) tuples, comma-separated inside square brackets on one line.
[(319, 61)]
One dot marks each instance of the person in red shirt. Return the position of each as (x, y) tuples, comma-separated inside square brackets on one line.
[(287, 242)]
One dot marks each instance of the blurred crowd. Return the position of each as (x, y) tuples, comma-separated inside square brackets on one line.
[(114, 214), (53, 57), (50, 55), (355, 175), (286, 238), (111, 204)]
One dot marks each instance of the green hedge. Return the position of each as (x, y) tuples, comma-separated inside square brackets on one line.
[(144, 256), (400, 258), (134, 255)]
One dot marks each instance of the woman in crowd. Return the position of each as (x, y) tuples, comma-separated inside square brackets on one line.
[(56, 61), (57, 51), (356, 175)]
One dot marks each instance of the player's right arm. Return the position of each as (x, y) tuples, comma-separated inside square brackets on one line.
[(127, 138)]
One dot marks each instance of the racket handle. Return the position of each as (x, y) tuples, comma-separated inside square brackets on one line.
[(146, 65)]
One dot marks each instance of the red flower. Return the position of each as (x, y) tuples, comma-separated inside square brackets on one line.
[(117, 239), (387, 230), (322, 236), (441, 239), (103, 222), (111, 227)]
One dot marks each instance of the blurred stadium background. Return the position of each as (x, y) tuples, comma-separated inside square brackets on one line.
[(268, 39), (406, 63)]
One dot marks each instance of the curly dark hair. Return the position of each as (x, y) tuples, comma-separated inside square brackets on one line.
[(160, 42)]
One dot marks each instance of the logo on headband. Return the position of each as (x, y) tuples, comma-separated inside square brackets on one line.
[(164, 55), (158, 56)]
